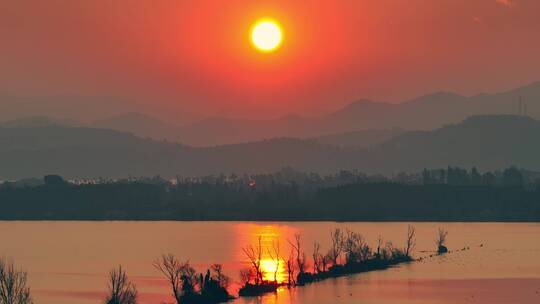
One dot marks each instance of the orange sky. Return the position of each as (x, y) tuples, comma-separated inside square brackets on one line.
[(195, 56)]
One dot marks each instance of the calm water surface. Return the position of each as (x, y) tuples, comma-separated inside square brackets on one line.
[(68, 261)]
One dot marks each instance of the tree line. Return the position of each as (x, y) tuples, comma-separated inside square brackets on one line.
[(287, 195), (309, 182)]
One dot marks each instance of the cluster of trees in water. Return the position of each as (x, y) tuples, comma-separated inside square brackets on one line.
[(349, 253)]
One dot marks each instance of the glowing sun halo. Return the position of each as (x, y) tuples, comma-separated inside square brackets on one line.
[(266, 35)]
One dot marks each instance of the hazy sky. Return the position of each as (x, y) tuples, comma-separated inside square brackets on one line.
[(195, 56)]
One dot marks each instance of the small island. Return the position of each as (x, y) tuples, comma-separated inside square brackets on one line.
[(349, 254)]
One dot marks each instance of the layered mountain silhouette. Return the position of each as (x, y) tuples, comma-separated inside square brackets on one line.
[(89, 109), (361, 123), (488, 142), (422, 113)]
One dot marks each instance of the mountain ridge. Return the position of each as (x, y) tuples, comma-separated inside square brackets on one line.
[(487, 142), (421, 113)]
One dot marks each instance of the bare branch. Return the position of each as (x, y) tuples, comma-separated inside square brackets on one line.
[(181, 276), (300, 257), (255, 255), (337, 245), (275, 256), (13, 284), (121, 290), (411, 240), (441, 237)]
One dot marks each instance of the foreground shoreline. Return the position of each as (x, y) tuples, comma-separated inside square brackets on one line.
[(363, 287)]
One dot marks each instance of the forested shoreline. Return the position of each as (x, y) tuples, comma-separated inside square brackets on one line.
[(267, 198)]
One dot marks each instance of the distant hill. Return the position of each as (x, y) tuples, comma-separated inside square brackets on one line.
[(136, 123), (86, 109), (38, 121), (222, 131), (50, 138), (487, 142), (140, 125), (422, 113), (78, 152), (361, 123), (359, 139)]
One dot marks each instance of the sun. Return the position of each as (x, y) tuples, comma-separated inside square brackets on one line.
[(266, 35)]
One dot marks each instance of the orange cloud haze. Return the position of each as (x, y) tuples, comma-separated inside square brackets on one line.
[(195, 56)]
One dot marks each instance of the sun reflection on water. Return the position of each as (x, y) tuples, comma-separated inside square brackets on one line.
[(273, 237), (269, 267)]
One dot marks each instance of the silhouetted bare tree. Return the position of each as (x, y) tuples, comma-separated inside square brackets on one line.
[(337, 245), (411, 240), (221, 278), (441, 240), (275, 256), (189, 279), (181, 276), (355, 248), (387, 252), (351, 245), (379, 246), (290, 269), (13, 284), (212, 287), (317, 258), (325, 261), (247, 275), (364, 252), (121, 290), (300, 256), (254, 254)]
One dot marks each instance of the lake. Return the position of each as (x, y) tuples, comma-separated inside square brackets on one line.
[(68, 262)]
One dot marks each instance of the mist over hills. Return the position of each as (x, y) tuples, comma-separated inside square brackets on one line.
[(422, 113), (487, 142), (39, 121), (360, 139), (87, 110), (361, 123), (139, 124)]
